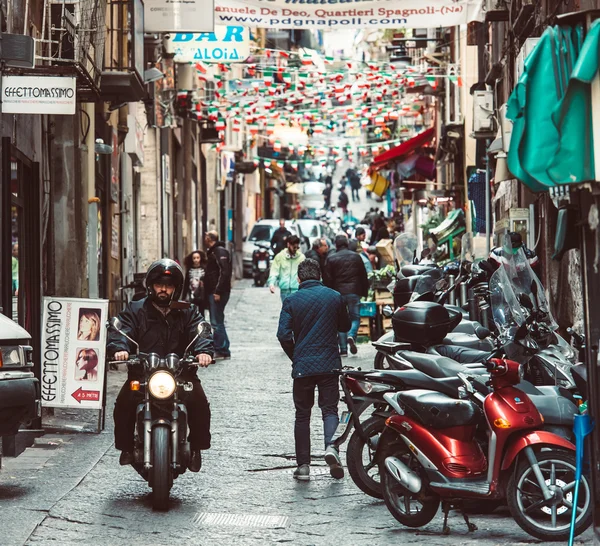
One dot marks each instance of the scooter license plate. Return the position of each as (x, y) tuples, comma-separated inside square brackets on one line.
[(262, 264), (344, 422)]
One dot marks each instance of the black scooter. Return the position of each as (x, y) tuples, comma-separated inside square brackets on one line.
[(261, 264)]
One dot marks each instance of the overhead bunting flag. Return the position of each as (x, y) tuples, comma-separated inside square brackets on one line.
[(348, 13)]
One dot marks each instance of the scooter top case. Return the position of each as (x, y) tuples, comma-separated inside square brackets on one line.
[(424, 323)]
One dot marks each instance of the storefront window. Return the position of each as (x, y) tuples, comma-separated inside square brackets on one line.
[(18, 308)]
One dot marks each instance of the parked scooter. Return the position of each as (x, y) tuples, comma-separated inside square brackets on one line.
[(261, 263), (161, 451), (429, 453)]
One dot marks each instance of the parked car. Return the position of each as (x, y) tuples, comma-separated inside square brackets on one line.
[(316, 229), (263, 232), (20, 400)]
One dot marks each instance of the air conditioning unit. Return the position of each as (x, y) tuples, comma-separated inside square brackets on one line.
[(526, 50), (483, 113)]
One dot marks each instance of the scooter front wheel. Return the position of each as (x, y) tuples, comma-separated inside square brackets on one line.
[(550, 520), (410, 509), (162, 479)]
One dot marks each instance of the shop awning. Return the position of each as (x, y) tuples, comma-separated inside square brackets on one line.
[(399, 152)]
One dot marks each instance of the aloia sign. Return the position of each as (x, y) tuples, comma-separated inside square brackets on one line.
[(322, 14), (227, 44)]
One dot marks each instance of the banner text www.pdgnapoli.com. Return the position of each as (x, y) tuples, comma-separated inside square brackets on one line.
[(435, 14)]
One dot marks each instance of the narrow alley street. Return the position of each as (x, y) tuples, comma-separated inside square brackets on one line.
[(71, 490)]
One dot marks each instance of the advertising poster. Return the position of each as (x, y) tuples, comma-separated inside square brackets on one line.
[(73, 352), (322, 14)]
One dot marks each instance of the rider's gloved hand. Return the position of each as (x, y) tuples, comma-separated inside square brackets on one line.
[(122, 355), (204, 360)]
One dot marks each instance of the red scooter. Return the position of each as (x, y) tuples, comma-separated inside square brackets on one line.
[(429, 454)]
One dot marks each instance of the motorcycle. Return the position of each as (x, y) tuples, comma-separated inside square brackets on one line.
[(429, 452), (161, 449), (261, 259)]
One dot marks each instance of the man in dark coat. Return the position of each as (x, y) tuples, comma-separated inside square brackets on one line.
[(346, 273), (318, 252), (308, 326), (160, 329), (217, 288), (279, 239)]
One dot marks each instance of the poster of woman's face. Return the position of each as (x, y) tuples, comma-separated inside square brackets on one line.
[(89, 324), (86, 368)]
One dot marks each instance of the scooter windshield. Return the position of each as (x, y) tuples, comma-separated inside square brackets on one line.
[(506, 310), (526, 282), (428, 284), (405, 246)]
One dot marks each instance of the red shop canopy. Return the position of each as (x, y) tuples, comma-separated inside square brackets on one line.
[(403, 149)]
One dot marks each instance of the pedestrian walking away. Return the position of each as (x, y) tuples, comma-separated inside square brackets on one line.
[(278, 241), (346, 273), (193, 286), (217, 287), (343, 200), (308, 327), (162, 330), (284, 269)]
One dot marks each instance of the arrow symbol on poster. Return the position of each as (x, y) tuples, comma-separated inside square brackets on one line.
[(91, 396)]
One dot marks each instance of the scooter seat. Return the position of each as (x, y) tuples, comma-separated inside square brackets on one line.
[(437, 410), (462, 355), (435, 365)]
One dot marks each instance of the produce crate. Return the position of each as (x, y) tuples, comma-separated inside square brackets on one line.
[(368, 309), (384, 297), (387, 324), (364, 329)]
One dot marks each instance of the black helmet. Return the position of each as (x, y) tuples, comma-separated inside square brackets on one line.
[(166, 271)]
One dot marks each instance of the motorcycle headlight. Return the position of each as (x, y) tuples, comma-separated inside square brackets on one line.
[(11, 356), (161, 385)]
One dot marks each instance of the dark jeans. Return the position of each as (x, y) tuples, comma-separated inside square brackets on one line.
[(217, 321), (355, 196), (304, 399), (352, 301), (198, 416)]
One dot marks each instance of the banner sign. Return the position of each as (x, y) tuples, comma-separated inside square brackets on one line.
[(38, 95), (179, 15), (227, 44), (73, 352), (321, 14)]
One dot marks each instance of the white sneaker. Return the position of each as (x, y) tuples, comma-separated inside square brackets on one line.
[(332, 458)]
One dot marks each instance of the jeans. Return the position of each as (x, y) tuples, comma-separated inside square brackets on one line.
[(352, 301), (285, 293), (217, 321), (304, 399), (198, 416)]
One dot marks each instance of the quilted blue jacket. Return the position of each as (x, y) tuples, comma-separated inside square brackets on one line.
[(308, 327)]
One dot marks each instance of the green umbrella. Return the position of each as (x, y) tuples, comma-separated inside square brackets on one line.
[(535, 137)]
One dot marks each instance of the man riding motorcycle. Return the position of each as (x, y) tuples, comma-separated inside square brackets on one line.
[(160, 328)]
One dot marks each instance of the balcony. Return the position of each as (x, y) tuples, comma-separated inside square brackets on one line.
[(72, 43), (122, 79)]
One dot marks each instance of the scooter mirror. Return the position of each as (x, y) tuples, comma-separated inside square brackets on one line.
[(204, 329), (387, 311)]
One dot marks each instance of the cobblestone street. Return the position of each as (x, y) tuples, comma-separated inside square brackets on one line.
[(71, 490)]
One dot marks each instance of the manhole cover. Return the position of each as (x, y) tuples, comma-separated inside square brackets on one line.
[(241, 520)]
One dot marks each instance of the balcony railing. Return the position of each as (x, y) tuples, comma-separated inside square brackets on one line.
[(72, 42)]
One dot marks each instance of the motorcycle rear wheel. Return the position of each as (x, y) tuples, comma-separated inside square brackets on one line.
[(366, 482), (162, 479), (410, 509), (551, 522), (381, 362)]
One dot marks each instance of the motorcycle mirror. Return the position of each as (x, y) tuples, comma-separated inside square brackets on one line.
[(204, 329), (525, 301), (115, 323), (387, 311)]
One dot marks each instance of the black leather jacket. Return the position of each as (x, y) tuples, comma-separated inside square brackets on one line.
[(158, 333), (346, 273), (217, 279)]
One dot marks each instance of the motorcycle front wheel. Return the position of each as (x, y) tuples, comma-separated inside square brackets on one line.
[(410, 509), (549, 521), (359, 457), (162, 479)]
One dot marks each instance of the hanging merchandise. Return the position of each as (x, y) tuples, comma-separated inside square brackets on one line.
[(476, 188), (379, 184)]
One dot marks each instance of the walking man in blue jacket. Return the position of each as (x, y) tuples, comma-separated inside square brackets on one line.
[(308, 328)]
